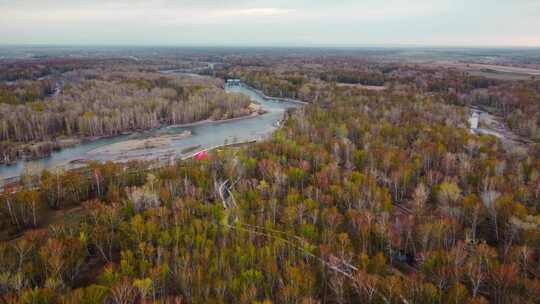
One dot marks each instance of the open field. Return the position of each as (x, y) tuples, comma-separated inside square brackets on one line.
[(490, 70)]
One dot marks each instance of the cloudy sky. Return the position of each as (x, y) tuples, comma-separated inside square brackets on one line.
[(271, 22)]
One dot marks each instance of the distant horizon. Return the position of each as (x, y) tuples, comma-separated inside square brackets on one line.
[(277, 46)]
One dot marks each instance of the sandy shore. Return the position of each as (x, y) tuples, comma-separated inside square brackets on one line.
[(362, 86), (161, 141)]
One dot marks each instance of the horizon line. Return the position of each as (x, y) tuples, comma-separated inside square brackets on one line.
[(275, 45)]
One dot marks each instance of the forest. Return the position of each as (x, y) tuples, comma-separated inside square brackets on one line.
[(361, 196)]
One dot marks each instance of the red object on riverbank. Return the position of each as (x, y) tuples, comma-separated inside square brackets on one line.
[(203, 155)]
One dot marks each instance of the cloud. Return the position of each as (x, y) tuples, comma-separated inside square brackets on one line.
[(251, 12), (120, 4), (154, 12), (346, 22)]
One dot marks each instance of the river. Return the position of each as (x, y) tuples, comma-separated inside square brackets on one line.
[(203, 136)]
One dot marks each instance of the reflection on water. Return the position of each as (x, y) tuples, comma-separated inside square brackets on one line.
[(204, 136)]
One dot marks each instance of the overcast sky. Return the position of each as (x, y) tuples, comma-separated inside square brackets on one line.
[(271, 22)]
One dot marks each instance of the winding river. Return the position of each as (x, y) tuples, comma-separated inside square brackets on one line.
[(203, 136)]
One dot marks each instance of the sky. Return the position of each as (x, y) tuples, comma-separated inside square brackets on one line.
[(271, 22)]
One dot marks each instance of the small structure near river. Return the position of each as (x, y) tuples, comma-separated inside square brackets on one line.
[(233, 82)]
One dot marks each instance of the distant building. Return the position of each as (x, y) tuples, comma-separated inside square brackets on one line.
[(474, 120), (233, 82)]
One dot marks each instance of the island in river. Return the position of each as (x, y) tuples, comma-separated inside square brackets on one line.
[(131, 145)]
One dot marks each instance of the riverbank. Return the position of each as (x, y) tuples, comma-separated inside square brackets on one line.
[(263, 118), (253, 114), (41, 150), (13, 152), (278, 99)]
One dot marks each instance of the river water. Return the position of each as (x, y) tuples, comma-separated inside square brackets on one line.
[(204, 136)]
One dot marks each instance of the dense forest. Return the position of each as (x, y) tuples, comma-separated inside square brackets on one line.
[(362, 196)]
